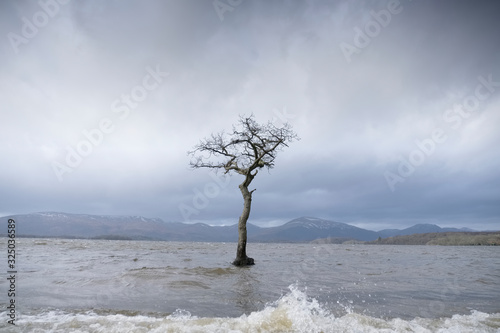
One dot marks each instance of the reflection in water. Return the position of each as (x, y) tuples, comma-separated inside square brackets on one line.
[(245, 296)]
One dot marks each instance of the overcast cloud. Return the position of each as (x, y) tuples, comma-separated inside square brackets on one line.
[(396, 103)]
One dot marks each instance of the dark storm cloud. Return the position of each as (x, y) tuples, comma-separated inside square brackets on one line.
[(282, 60)]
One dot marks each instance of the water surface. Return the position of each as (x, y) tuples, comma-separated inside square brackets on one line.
[(165, 283)]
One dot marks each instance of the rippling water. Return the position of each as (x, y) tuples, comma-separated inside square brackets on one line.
[(122, 286)]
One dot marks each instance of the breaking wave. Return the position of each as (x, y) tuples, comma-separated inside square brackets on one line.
[(293, 312)]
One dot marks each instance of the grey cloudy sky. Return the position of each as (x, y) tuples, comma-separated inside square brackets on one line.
[(396, 103)]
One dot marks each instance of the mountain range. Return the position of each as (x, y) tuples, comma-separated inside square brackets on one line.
[(303, 229)]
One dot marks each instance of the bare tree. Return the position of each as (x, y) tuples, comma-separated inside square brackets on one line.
[(250, 146)]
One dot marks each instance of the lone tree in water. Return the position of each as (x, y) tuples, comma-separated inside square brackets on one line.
[(250, 146)]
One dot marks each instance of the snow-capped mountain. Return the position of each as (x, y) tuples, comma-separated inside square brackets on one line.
[(303, 229), (310, 228)]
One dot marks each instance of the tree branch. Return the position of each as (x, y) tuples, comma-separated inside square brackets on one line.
[(250, 146)]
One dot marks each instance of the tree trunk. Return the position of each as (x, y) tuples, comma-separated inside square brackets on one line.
[(241, 251)]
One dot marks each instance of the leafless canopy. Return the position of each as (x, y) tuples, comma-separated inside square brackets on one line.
[(250, 146)]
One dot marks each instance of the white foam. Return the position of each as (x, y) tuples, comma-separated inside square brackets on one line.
[(294, 312)]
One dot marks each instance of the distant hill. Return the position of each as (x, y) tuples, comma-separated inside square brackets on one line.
[(303, 229), (306, 229), (443, 238), (54, 224), (418, 229)]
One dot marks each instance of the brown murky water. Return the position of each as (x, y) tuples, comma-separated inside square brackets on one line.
[(164, 284)]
